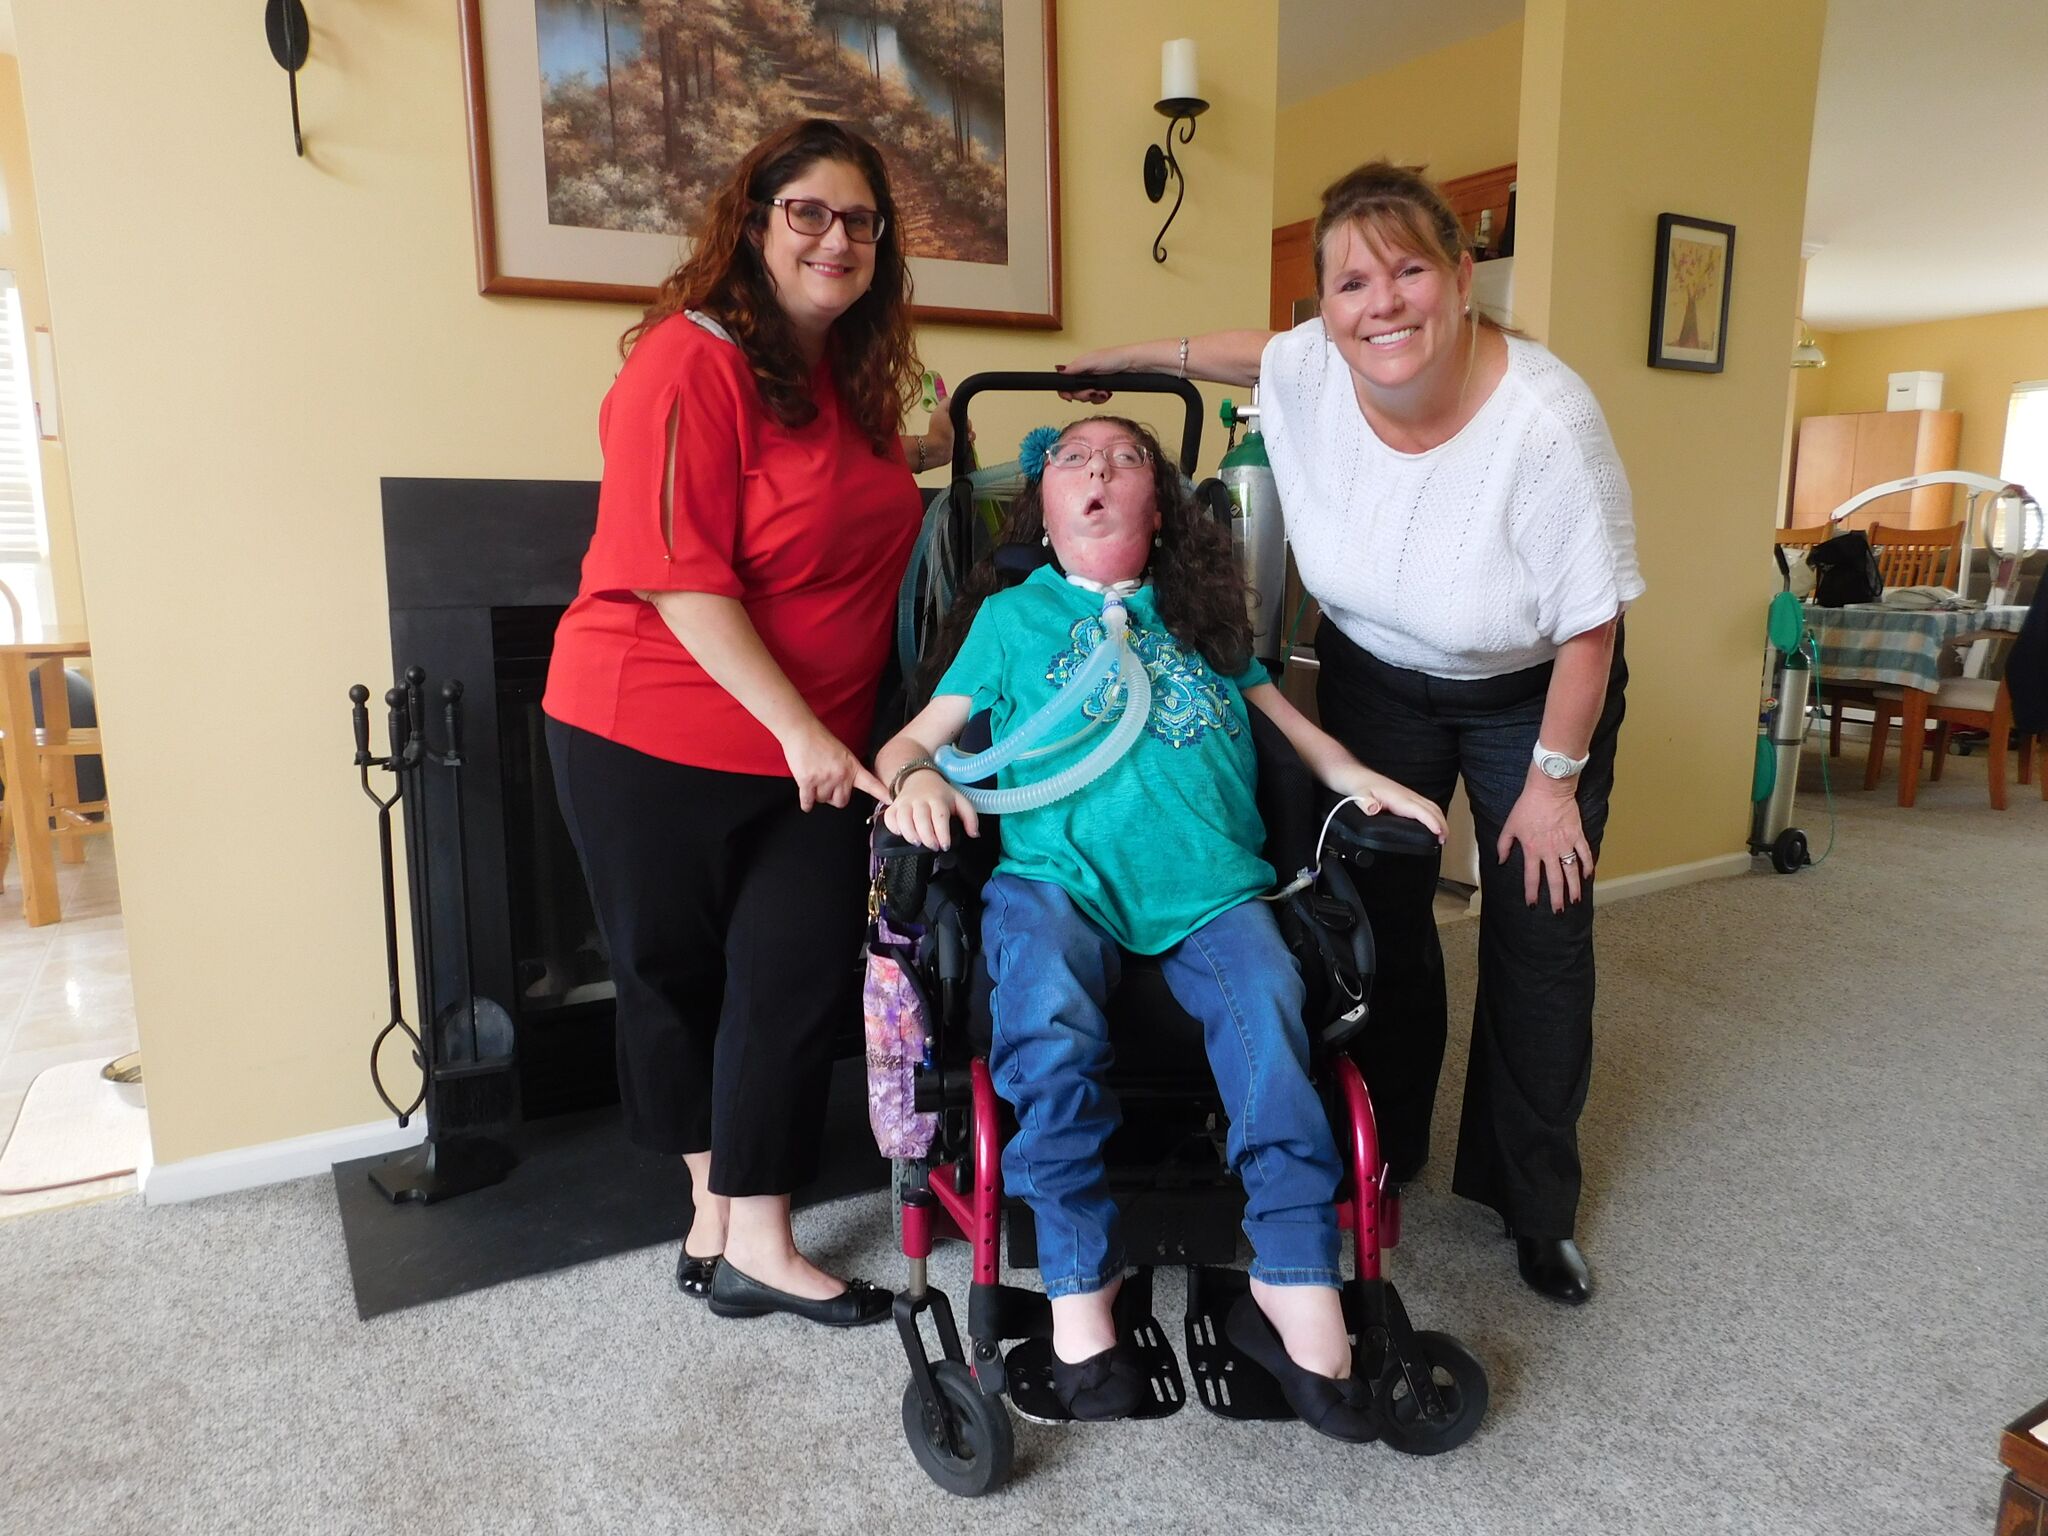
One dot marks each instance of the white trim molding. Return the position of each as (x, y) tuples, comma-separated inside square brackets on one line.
[(274, 1162), (1621, 887)]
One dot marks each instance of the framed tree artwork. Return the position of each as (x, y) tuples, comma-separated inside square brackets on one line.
[(1689, 294), (598, 129)]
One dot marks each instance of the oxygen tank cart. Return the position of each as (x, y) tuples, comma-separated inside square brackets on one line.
[(1255, 527), (1781, 732)]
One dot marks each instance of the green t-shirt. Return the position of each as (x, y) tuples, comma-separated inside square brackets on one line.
[(1170, 836)]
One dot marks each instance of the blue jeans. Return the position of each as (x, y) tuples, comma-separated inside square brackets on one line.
[(1053, 971)]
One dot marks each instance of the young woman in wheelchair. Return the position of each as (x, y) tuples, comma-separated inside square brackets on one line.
[(1159, 856)]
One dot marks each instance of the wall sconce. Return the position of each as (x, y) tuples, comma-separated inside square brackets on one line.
[(1808, 353), (284, 26), (1180, 104)]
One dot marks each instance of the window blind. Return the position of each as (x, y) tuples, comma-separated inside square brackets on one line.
[(2025, 459), (21, 518)]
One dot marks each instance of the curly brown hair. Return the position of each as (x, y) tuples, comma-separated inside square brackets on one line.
[(874, 362), (1203, 599)]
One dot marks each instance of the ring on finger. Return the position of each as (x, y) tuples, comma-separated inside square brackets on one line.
[(1568, 858)]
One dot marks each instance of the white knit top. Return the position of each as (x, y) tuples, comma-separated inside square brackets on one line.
[(1476, 558)]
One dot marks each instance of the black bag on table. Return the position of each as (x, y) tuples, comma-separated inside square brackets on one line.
[(1845, 571)]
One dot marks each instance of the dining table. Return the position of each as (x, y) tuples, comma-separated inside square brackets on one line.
[(39, 764), (1903, 648)]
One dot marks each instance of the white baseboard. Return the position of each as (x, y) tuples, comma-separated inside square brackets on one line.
[(1720, 867), (274, 1162), (1621, 887)]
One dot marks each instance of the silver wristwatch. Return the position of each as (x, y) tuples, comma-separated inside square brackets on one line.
[(1555, 765)]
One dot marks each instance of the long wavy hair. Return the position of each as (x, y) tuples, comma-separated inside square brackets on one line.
[(874, 362), (1203, 599)]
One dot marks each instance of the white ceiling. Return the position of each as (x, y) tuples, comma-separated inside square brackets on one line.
[(1328, 43), (1928, 187)]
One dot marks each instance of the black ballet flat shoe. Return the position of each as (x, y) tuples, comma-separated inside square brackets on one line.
[(1107, 1385), (737, 1295), (693, 1276), (1340, 1409), (1554, 1267)]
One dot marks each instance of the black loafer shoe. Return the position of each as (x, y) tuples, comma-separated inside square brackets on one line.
[(736, 1295), (1108, 1385), (693, 1276), (1340, 1409), (1554, 1267)]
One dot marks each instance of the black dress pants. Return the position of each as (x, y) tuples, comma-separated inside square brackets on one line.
[(1532, 1022), (733, 921)]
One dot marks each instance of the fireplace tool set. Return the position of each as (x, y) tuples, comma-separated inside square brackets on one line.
[(464, 1047)]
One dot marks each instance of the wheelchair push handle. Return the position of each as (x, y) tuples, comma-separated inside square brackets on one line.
[(1026, 382)]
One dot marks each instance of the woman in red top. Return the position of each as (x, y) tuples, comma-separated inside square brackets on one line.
[(756, 517)]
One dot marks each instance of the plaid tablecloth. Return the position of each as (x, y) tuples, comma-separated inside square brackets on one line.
[(1870, 643)]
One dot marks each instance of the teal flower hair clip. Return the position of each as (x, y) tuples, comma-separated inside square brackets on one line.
[(1031, 453)]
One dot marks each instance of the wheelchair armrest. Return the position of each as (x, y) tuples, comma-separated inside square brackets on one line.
[(1353, 832), (906, 874)]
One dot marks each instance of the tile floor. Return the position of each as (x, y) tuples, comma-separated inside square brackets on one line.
[(64, 994)]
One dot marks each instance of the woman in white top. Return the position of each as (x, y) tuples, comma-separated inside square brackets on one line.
[(1456, 507)]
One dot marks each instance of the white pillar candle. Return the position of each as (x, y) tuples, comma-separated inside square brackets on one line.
[(1177, 70)]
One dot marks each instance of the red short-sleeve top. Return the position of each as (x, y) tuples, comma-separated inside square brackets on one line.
[(809, 528)]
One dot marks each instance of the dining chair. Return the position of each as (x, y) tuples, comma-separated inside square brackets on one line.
[(1917, 557), (1801, 538), (69, 816), (1975, 703)]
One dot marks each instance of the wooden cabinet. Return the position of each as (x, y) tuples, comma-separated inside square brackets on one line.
[(1841, 455)]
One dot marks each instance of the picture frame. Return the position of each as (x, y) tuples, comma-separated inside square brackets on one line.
[(585, 154), (1689, 291)]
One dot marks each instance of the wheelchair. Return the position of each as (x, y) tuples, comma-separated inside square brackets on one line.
[(1178, 1202)]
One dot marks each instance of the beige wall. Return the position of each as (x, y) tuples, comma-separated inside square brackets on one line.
[(1454, 110), (21, 252), (1630, 110), (1980, 359), (252, 340)]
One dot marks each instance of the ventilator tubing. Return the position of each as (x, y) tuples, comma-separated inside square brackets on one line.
[(1113, 655)]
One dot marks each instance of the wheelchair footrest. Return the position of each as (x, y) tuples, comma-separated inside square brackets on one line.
[(1029, 1367), (1229, 1384)]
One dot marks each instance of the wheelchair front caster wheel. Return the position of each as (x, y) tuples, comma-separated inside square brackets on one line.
[(1788, 853), (1461, 1387), (970, 1453)]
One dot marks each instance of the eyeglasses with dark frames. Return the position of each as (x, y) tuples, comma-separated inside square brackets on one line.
[(808, 216)]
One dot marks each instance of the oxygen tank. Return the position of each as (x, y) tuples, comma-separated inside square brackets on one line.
[(1255, 527)]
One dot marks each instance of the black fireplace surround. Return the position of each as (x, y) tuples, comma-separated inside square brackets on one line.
[(478, 573)]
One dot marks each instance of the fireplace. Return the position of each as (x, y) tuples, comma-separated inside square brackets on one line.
[(478, 573)]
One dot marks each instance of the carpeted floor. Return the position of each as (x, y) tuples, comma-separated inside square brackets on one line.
[(1817, 1213)]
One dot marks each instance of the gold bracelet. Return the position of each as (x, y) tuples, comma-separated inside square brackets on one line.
[(1183, 357)]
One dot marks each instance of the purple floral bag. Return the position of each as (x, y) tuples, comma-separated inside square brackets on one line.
[(898, 1037)]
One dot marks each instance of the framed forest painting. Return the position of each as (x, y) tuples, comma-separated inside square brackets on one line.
[(599, 128)]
